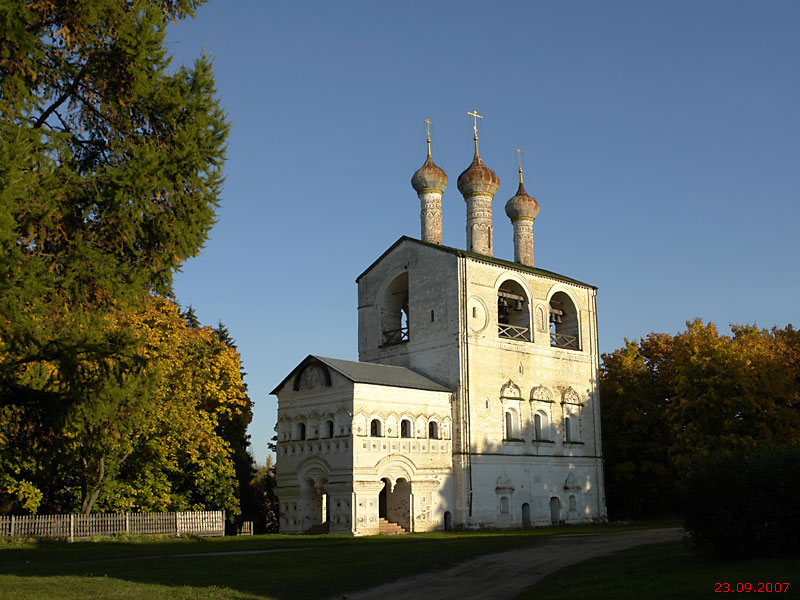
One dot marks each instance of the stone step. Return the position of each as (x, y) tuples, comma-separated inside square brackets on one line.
[(388, 528), (319, 529)]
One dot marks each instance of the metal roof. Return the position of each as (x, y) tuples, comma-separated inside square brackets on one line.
[(364, 372), (482, 257)]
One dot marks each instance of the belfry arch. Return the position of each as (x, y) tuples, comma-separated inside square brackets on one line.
[(513, 312), (394, 312), (564, 322)]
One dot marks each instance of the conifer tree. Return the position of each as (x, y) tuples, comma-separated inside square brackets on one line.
[(110, 172)]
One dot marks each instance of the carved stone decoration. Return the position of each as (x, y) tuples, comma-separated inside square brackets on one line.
[(540, 320), (510, 390), (571, 483), (504, 485), (570, 396), (312, 378), (541, 393), (423, 513)]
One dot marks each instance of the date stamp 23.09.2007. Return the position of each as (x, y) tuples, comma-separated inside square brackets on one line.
[(747, 587)]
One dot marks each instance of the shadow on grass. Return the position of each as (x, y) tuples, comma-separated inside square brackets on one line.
[(264, 566), (663, 572)]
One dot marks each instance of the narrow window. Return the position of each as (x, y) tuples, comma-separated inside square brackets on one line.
[(509, 430), (328, 429), (375, 428), (405, 428), (300, 431), (537, 426), (474, 312), (433, 430), (504, 505), (431, 316), (567, 432)]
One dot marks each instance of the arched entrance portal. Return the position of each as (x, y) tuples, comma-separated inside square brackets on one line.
[(383, 498), (555, 511), (394, 503)]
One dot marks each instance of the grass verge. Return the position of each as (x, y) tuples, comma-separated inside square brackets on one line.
[(663, 572), (275, 566)]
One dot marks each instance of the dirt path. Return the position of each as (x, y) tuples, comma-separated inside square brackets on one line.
[(506, 574)]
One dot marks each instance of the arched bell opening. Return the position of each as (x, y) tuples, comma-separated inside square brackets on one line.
[(513, 312), (394, 312), (564, 329)]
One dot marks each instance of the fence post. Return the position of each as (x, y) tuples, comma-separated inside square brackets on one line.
[(127, 523), (71, 527), (12, 525)]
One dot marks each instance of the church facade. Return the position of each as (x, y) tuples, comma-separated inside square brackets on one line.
[(474, 403)]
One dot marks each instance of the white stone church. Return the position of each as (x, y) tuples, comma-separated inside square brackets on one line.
[(474, 403)]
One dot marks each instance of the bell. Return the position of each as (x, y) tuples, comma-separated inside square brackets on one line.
[(518, 304)]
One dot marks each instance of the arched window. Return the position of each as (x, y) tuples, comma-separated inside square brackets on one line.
[(433, 430), (513, 312), (394, 312), (300, 431), (567, 430), (375, 428), (405, 428), (327, 429), (573, 504), (509, 425), (563, 322), (541, 426)]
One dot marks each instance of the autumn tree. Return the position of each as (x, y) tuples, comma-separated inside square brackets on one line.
[(635, 392), (669, 404), (173, 452), (110, 172)]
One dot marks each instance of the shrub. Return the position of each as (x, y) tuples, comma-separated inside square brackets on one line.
[(745, 504)]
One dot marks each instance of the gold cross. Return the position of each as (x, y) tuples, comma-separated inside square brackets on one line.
[(429, 122), (519, 157), (474, 114)]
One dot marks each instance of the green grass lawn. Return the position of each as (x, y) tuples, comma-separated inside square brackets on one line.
[(663, 571), (298, 566)]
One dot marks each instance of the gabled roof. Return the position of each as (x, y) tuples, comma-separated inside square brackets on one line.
[(364, 372), (489, 259)]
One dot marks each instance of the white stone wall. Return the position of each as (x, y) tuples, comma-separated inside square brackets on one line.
[(351, 468), (419, 469), (464, 352)]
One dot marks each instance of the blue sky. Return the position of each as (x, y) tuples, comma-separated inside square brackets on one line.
[(662, 141)]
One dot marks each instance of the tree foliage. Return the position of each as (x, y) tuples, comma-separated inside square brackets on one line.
[(110, 171), (671, 402), (171, 448)]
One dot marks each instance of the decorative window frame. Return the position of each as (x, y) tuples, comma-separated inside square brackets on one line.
[(572, 408), (541, 401)]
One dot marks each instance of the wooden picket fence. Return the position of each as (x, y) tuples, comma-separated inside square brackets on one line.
[(76, 527)]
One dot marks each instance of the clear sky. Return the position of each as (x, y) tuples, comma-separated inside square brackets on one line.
[(661, 139)]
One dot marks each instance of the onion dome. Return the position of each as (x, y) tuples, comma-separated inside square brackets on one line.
[(521, 205), (478, 178), (429, 177)]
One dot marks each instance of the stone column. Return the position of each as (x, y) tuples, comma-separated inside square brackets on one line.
[(479, 223), (523, 241), (431, 216)]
